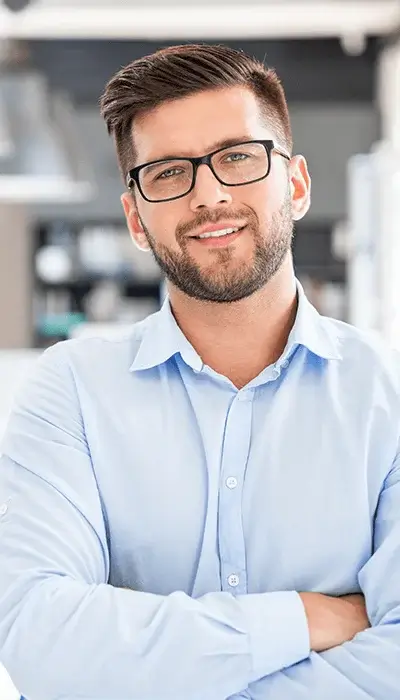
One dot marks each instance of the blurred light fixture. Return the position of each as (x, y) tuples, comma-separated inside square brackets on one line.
[(47, 161), (353, 44), (6, 142), (16, 5)]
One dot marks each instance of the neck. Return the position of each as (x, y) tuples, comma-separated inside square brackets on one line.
[(240, 339)]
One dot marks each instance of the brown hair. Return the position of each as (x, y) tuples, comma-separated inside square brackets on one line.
[(179, 71)]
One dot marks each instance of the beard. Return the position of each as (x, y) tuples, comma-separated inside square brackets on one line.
[(227, 280)]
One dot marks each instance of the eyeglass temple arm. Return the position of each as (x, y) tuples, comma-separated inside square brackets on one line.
[(282, 152)]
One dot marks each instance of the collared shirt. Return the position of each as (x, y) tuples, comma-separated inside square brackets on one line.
[(157, 523)]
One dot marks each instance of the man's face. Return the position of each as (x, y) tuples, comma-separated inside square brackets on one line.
[(230, 268)]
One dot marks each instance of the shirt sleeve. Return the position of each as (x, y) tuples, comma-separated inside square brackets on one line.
[(64, 631), (368, 667)]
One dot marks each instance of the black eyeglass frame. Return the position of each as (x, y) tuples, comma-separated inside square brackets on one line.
[(269, 145)]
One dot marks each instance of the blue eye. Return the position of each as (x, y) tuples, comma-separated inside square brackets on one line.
[(166, 174), (233, 157)]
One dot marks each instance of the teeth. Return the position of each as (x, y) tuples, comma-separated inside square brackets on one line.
[(216, 234)]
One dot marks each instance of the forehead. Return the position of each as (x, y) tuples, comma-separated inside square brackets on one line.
[(193, 125)]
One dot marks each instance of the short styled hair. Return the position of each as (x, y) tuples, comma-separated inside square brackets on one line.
[(180, 71)]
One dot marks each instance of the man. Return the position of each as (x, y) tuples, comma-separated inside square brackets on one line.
[(199, 510)]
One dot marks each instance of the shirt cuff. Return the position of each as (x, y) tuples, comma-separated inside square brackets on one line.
[(278, 631)]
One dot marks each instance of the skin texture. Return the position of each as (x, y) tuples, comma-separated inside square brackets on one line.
[(333, 621), (236, 304)]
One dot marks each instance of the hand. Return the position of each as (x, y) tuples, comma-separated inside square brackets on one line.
[(333, 621)]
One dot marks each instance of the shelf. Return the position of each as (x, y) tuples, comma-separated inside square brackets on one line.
[(133, 286)]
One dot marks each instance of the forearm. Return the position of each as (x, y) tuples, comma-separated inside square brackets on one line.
[(95, 641), (65, 633), (366, 668)]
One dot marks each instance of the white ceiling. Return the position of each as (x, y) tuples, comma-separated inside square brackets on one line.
[(129, 4), (206, 19)]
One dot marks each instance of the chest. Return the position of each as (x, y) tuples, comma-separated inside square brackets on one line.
[(270, 482)]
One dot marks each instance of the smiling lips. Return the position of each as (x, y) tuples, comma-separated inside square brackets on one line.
[(220, 238), (218, 230)]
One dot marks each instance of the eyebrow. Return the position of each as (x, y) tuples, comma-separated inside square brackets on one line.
[(222, 143)]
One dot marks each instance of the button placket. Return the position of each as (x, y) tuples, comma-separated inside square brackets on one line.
[(234, 461)]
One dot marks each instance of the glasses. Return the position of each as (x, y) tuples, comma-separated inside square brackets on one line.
[(240, 164)]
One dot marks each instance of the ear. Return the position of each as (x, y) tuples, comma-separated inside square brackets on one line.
[(300, 187), (132, 219)]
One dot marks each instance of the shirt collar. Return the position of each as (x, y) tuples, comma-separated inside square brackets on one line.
[(313, 331), (162, 338)]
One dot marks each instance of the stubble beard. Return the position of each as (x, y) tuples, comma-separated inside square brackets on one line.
[(221, 282)]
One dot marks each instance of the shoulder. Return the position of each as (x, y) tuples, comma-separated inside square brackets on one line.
[(70, 369), (365, 353), (97, 354)]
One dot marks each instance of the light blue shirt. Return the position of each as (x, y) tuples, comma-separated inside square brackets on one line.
[(129, 464)]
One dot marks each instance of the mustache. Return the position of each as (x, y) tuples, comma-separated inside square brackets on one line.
[(208, 216)]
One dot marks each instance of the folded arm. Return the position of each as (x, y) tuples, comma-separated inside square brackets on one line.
[(64, 631), (368, 667)]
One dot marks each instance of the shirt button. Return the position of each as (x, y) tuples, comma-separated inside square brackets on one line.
[(285, 364), (231, 482), (3, 508), (233, 580)]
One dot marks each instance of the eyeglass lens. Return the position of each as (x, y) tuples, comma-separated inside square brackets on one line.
[(239, 164)]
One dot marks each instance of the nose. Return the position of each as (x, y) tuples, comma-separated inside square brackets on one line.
[(208, 191)]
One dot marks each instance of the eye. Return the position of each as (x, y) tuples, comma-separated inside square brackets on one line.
[(166, 174), (235, 157)]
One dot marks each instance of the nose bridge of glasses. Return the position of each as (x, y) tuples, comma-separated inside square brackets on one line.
[(207, 189), (206, 180), (209, 170)]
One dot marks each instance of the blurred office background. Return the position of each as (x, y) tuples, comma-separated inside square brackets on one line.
[(67, 266)]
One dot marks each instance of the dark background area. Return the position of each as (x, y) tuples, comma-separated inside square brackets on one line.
[(311, 70)]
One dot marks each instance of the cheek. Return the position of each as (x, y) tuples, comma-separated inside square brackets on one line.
[(161, 220), (265, 198)]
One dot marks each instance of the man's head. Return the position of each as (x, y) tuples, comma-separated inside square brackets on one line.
[(188, 102)]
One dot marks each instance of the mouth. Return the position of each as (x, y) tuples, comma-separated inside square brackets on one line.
[(217, 239)]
